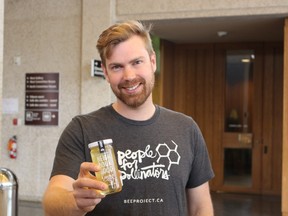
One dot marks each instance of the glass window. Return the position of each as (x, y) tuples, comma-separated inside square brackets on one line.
[(238, 167), (239, 76)]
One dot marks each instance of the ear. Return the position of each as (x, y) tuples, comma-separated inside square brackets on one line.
[(153, 61)]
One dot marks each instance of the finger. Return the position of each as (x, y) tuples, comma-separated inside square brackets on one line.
[(90, 182), (87, 199), (87, 204), (88, 193), (87, 167)]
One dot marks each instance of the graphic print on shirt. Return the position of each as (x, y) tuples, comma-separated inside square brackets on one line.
[(148, 162)]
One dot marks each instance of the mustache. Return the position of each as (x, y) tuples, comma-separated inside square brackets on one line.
[(130, 83)]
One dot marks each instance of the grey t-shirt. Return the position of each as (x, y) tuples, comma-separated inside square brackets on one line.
[(159, 159)]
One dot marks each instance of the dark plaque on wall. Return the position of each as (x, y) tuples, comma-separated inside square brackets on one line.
[(42, 99)]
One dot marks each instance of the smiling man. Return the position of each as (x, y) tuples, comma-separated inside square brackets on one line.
[(162, 156), (130, 72)]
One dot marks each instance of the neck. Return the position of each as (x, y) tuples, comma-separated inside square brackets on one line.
[(141, 113)]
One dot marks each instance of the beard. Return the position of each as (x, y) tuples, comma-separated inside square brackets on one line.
[(137, 99)]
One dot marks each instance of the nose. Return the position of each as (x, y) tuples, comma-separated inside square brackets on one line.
[(129, 73)]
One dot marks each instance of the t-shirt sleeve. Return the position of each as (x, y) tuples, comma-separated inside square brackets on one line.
[(201, 170), (70, 151)]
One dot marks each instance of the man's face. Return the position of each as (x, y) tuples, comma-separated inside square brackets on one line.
[(130, 72)]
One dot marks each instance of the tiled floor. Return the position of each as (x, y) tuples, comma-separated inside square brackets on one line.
[(27, 208), (224, 205)]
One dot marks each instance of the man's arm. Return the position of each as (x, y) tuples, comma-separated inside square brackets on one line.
[(199, 201), (66, 196)]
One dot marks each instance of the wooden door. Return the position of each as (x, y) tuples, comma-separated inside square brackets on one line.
[(240, 90)]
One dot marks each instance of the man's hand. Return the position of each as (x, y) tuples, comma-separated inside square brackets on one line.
[(68, 197), (87, 189)]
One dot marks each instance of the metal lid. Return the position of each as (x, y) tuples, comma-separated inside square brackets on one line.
[(7, 178), (105, 142)]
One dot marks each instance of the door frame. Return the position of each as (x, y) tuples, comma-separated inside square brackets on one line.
[(220, 63)]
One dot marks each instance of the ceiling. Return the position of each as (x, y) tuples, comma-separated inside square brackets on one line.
[(205, 30)]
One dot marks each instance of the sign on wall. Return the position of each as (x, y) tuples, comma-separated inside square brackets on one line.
[(42, 99)]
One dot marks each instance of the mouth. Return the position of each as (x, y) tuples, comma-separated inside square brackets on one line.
[(132, 89)]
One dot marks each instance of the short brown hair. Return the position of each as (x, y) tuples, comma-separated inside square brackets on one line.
[(120, 32)]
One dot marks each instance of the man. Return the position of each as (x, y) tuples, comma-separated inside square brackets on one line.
[(161, 154)]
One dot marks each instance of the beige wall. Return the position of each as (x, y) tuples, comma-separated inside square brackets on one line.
[(95, 92), (46, 35), (1, 62), (171, 9), (60, 36)]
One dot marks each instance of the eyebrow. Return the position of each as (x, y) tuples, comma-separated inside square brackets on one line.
[(131, 61), (113, 64), (136, 59)]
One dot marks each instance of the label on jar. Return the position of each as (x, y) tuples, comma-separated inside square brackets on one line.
[(101, 146)]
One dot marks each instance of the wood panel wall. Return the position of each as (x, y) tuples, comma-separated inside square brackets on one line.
[(193, 83), (285, 126), (167, 73), (272, 118), (187, 81)]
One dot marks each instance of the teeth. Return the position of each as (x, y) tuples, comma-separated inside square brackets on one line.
[(132, 88)]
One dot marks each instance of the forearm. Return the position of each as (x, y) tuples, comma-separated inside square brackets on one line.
[(60, 202), (199, 201), (202, 211)]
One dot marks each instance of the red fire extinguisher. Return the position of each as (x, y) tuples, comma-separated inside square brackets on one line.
[(12, 147)]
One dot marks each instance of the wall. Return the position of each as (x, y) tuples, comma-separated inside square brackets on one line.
[(171, 9), (97, 15), (46, 35), (1, 58), (285, 126), (60, 36)]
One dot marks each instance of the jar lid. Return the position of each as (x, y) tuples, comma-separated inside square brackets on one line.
[(97, 143)]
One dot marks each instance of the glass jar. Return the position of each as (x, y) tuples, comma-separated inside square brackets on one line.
[(102, 154)]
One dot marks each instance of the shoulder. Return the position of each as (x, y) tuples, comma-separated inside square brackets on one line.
[(96, 118), (101, 113), (179, 121), (172, 115)]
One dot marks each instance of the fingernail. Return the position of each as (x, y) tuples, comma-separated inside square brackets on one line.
[(104, 186)]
